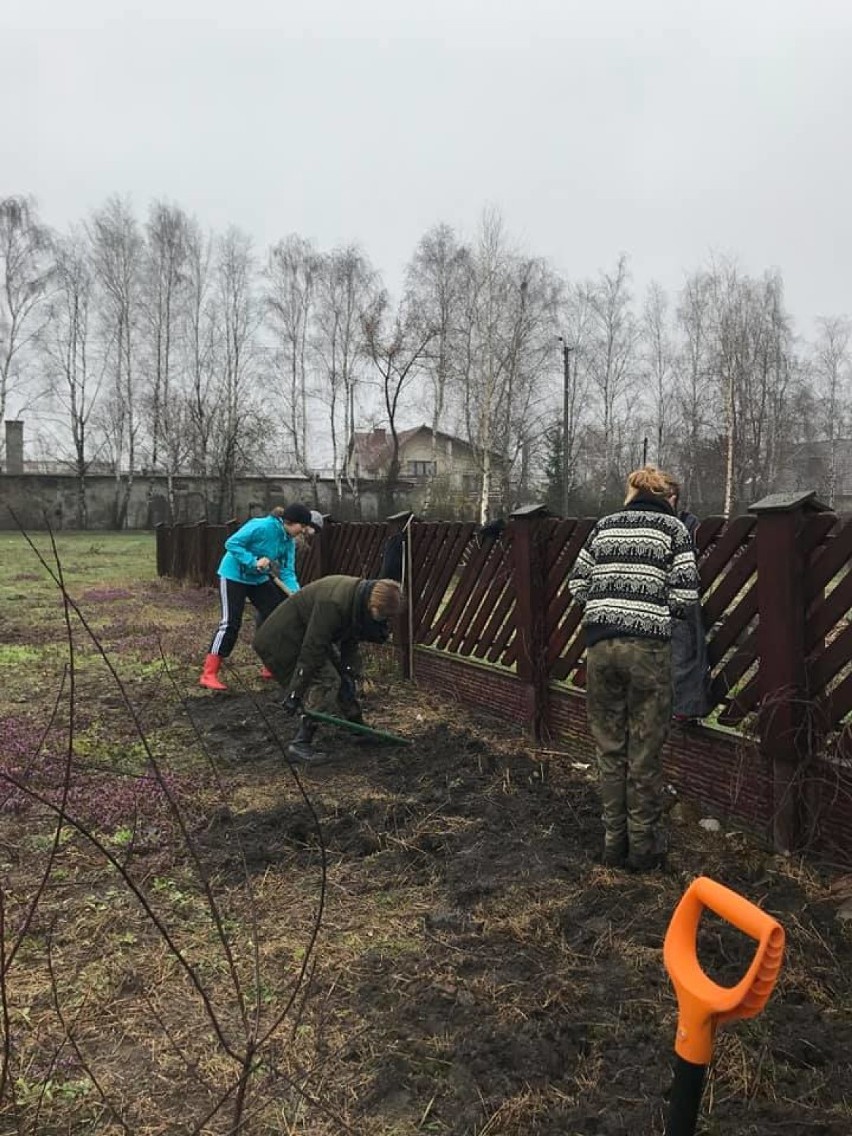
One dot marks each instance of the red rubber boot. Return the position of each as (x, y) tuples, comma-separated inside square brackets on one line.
[(210, 674)]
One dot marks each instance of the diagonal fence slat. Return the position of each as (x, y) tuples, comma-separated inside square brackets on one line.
[(562, 615), (828, 620), (740, 574), (446, 566), (708, 532), (829, 561), (576, 643), (735, 695), (484, 596), (499, 639), (825, 616), (838, 703), (715, 559), (356, 548), (831, 661), (727, 567), (427, 539), (734, 627), (469, 572)]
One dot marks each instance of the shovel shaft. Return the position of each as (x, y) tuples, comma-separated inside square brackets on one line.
[(356, 727), (685, 1098)]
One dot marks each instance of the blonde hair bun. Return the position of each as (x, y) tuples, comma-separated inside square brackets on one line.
[(651, 481)]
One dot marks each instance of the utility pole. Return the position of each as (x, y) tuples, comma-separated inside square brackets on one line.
[(566, 421)]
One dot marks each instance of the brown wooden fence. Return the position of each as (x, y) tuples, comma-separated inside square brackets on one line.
[(493, 624)]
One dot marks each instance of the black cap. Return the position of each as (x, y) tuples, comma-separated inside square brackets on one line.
[(297, 515)]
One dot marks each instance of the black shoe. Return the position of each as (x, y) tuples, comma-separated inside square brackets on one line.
[(646, 861), (305, 753), (614, 855)]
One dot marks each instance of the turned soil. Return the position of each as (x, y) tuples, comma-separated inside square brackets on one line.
[(512, 985)]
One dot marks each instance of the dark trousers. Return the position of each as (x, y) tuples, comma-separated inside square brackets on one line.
[(264, 597)]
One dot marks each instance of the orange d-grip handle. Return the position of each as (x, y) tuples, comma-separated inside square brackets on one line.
[(702, 1003)]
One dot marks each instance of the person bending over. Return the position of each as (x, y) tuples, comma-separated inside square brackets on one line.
[(310, 644), (261, 546)]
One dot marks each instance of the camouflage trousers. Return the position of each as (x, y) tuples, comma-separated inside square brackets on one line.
[(629, 707), (324, 693)]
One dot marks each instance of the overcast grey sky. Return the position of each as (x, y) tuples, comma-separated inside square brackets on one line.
[(667, 129)]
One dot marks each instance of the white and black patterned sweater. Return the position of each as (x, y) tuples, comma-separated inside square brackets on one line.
[(634, 572)]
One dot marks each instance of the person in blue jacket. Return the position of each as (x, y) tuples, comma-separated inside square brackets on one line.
[(260, 547)]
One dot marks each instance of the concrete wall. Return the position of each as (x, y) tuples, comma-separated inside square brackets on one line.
[(32, 496)]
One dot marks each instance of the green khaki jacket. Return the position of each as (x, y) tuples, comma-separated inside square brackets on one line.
[(304, 632)]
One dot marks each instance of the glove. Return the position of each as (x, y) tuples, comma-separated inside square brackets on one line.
[(293, 704)]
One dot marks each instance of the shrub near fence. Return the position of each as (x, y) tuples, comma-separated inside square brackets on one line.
[(493, 625)]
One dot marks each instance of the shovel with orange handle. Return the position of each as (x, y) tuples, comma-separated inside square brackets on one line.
[(702, 1003)]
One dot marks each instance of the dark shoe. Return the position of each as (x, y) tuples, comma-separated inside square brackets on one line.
[(301, 748), (646, 861), (614, 855), (305, 753)]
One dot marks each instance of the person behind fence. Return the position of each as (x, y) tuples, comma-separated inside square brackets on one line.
[(691, 678), (636, 569), (394, 552), (261, 547), (310, 644)]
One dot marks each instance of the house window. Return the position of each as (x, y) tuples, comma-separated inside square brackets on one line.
[(421, 469), (470, 484)]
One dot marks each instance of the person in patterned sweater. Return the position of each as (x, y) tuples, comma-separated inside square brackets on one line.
[(635, 572)]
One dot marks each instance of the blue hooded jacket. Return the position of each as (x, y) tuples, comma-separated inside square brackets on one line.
[(261, 536)]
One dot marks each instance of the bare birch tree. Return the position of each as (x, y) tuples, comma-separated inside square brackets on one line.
[(116, 250), (485, 347), (25, 275), (613, 336), (396, 345), (75, 372), (291, 277), (658, 368), (833, 370), (200, 341), (507, 342), (244, 421), (694, 384), (764, 393), (526, 403), (435, 280), (567, 439), (346, 288), (163, 285)]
